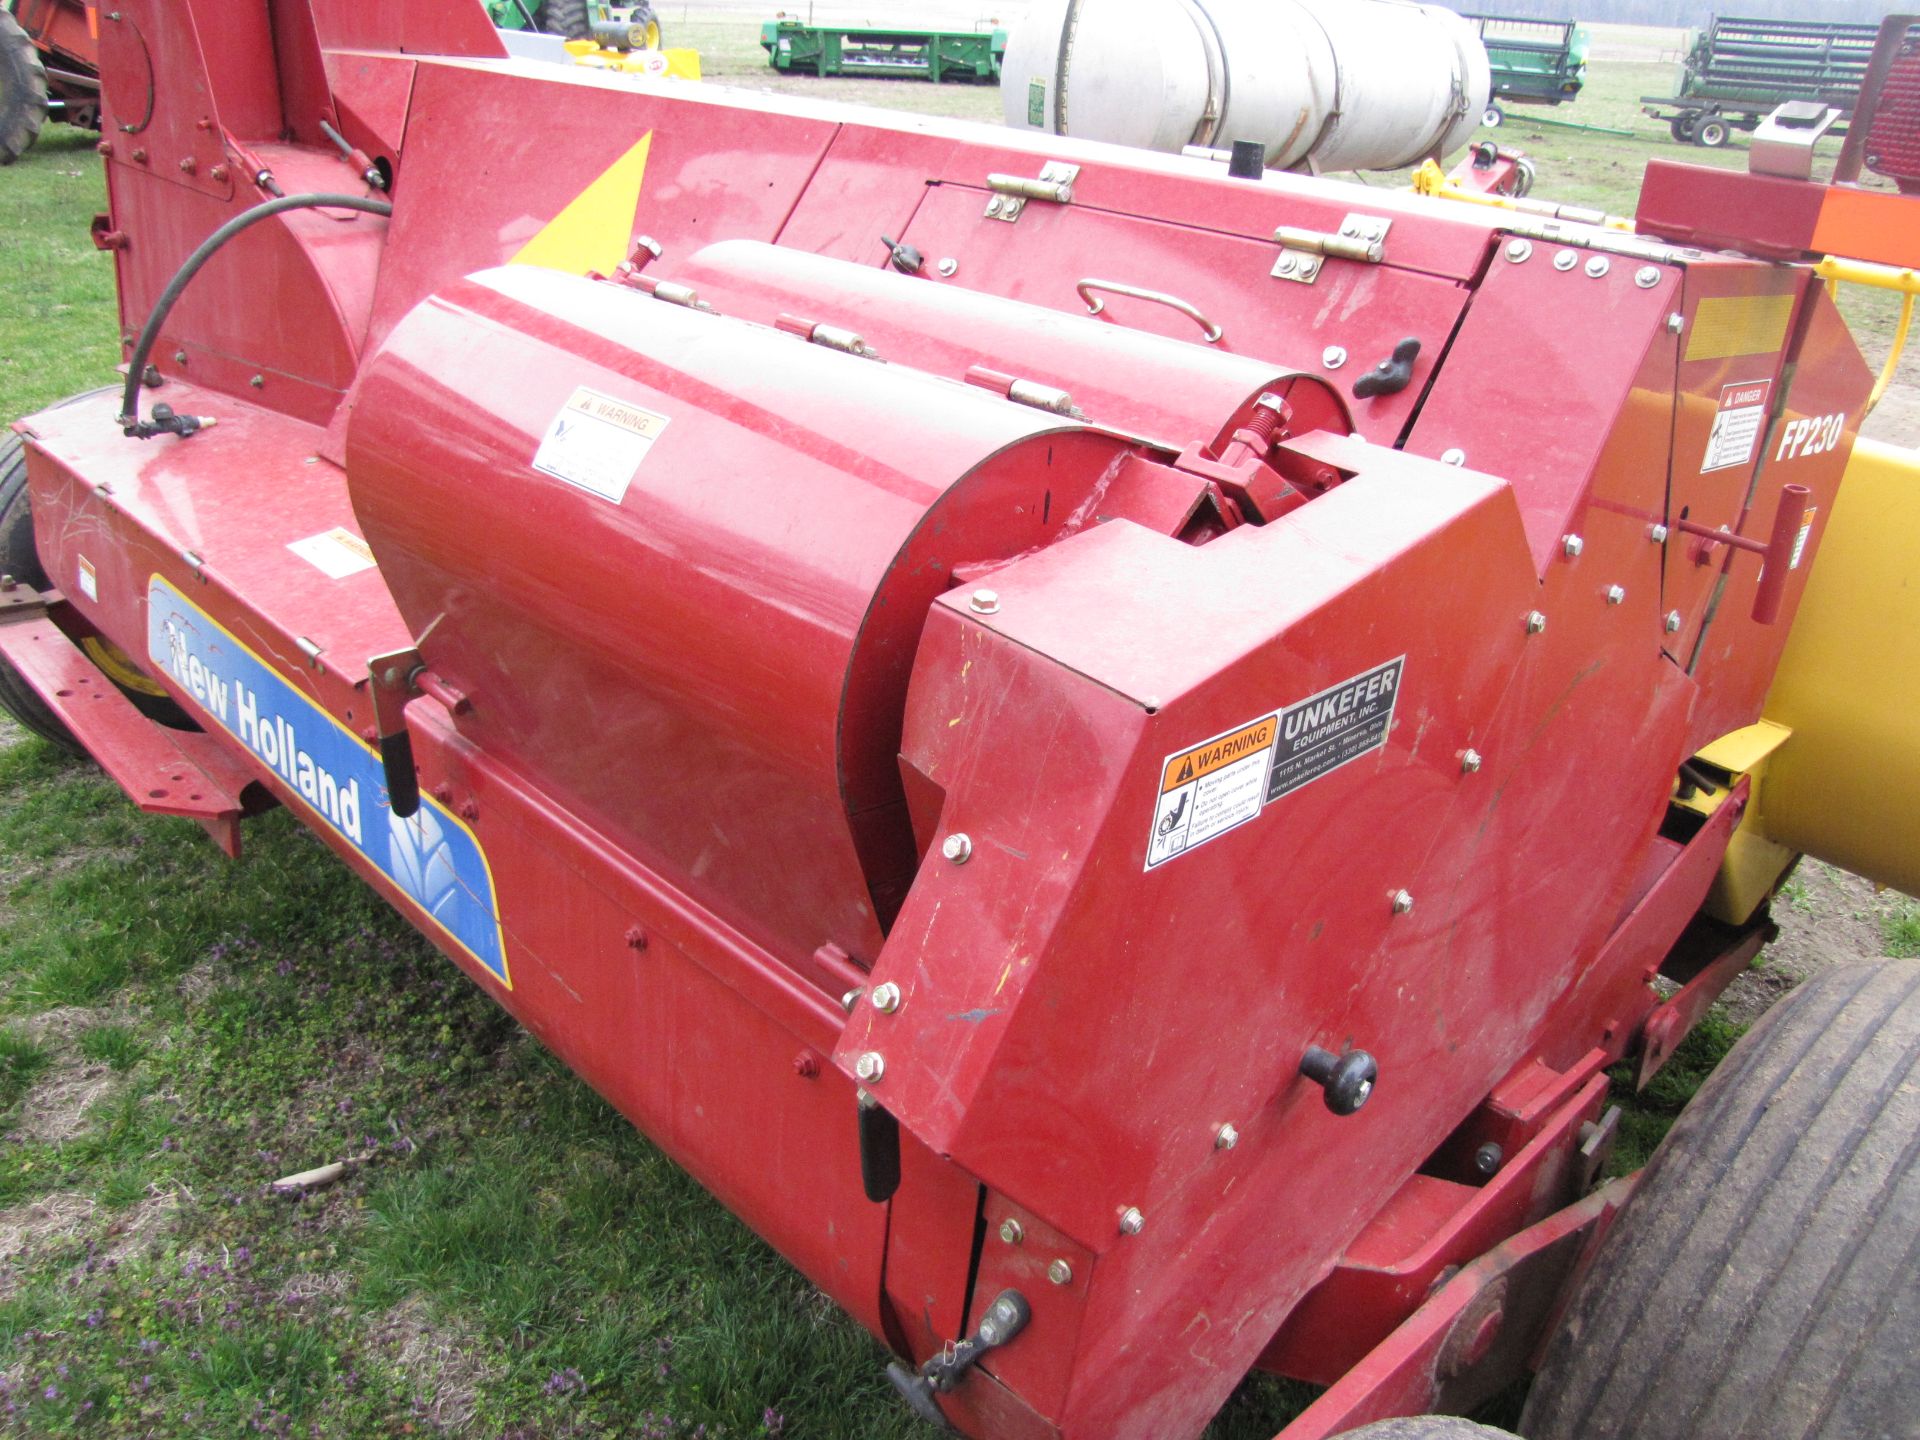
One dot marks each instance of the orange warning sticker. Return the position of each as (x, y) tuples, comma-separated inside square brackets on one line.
[(1221, 751)]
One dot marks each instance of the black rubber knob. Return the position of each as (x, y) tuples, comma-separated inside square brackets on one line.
[(1248, 160), (1391, 375), (1347, 1080), (906, 259)]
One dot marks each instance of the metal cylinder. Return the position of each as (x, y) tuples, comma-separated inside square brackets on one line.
[(1347, 84)]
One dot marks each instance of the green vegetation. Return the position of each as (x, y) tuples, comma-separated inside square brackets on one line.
[(1902, 930)]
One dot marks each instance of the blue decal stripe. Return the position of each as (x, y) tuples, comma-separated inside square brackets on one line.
[(331, 773)]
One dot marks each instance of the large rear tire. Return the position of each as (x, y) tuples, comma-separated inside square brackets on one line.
[(565, 17), (23, 90), (1764, 1279)]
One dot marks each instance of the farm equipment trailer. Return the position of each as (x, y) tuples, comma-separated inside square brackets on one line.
[(1112, 771), (1738, 71), (891, 52), (1535, 62)]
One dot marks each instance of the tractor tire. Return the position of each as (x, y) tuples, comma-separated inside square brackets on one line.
[(1493, 117), (1425, 1427), (1681, 127), (647, 21), (568, 18), (19, 559), (1764, 1278), (1711, 133), (23, 90)]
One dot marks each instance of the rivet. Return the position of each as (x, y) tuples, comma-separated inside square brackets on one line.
[(469, 809), (1673, 622), (1060, 1273), (636, 938), (1657, 534), (884, 998), (1226, 1137), (1598, 266), (1615, 594), (1518, 251), (139, 155), (179, 357), (1470, 761), (1333, 357), (188, 165), (1132, 1222), (258, 382), (983, 602), (1455, 456), (1402, 902), (218, 174), (1565, 260), (993, 205), (1676, 322), (1571, 546), (1011, 1231), (957, 847), (949, 266), (1647, 276), (806, 1065), (1536, 622), (870, 1067)]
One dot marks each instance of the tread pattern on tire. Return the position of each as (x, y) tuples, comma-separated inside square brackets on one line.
[(1425, 1427), (23, 90), (17, 558), (566, 17), (1765, 1277)]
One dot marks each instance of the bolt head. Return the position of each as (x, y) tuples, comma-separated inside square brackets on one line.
[(984, 602), (993, 205), (870, 1067), (1455, 456), (1615, 594), (1060, 1273), (852, 998), (1676, 322), (1012, 1231), (1565, 260), (1333, 357), (1571, 546), (1518, 251), (1673, 622), (1132, 1222), (1598, 266), (1470, 761), (1286, 264), (1402, 902), (957, 847), (1226, 1137), (948, 266), (1657, 534), (1536, 622), (1647, 276), (1309, 267), (884, 998)]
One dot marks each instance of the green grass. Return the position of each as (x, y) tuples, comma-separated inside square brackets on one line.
[(505, 1244), (1902, 931)]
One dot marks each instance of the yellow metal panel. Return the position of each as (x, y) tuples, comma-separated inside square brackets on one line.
[(1743, 750), (595, 231), (1846, 786), (1728, 325)]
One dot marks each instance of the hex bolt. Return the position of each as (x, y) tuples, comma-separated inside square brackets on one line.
[(1060, 1272), (948, 267), (1132, 1222), (993, 205), (957, 847), (1470, 761), (1455, 456), (1309, 267), (1334, 356), (1518, 251), (1226, 1137), (1286, 264), (258, 382), (1657, 534), (884, 998), (806, 1065), (1676, 322), (1402, 902), (1565, 260), (1571, 546), (1673, 622), (1598, 266), (179, 357), (983, 602), (1488, 1159), (1647, 276), (1615, 594), (1536, 622), (870, 1067), (1011, 1231)]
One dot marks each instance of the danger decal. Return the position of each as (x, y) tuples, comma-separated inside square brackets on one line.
[(1222, 783), (1736, 424)]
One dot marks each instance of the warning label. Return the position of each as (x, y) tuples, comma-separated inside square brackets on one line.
[(597, 443), (1220, 784), (335, 553), (1339, 725), (1736, 425)]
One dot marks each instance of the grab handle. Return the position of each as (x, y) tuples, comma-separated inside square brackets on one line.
[(1172, 302)]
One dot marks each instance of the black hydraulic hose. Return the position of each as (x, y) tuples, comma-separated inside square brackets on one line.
[(130, 420)]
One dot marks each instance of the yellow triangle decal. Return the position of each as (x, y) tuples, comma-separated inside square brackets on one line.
[(595, 231)]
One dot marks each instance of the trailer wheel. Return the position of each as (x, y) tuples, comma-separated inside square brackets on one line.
[(1425, 1427), (1764, 1276), (1493, 117), (23, 90), (1711, 133), (18, 559), (568, 18), (1681, 127)]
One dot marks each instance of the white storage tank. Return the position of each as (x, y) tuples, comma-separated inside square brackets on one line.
[(1347, 84)]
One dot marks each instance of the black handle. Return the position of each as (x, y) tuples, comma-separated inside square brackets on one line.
[(906, 259), (1347, 1079), (879, 1151), (1392, 375), (403, 785)]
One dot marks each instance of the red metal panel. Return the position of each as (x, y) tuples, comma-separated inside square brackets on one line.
[(1710, 207), (869, 184)]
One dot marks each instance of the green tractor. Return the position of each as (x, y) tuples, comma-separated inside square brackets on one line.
[(617, 27)]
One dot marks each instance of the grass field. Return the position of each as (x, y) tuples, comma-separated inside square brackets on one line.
[(506, 1257)]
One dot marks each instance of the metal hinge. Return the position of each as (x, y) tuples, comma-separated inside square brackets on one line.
[(1302, 252), (1012, 192)]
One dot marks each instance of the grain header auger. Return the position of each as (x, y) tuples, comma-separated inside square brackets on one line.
[(1109, 769)]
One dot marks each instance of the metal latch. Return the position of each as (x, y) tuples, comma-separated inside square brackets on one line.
[(1302, 251), (1012, 192), (1006, 1317)]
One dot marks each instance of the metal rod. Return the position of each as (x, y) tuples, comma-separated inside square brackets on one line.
[(1172, 302)]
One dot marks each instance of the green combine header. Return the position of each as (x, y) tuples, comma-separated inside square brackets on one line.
[(890, 52), (1535, 62), (1737, 71)]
